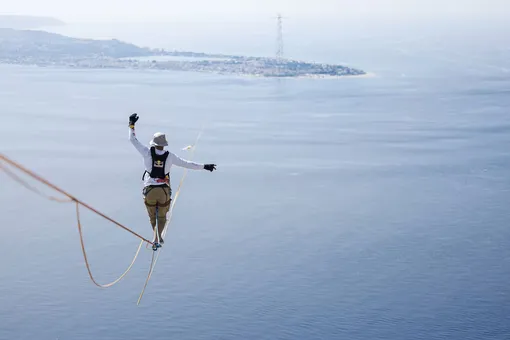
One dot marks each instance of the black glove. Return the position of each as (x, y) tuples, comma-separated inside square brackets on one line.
[(210, 167), (132, 119)]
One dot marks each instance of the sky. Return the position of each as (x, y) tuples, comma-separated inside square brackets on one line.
[(247, 10), (249, 26)]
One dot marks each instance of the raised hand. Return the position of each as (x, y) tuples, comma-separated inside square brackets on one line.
[(132, 120), (210, 167)]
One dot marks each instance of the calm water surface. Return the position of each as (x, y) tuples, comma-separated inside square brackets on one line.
[(367, 208)]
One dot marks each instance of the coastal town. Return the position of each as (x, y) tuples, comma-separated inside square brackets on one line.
[(40, 48), (263, 67)]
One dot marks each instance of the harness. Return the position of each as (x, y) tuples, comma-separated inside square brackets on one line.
[(158, 167)]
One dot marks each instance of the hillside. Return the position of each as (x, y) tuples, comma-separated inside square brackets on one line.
[(40, 44)]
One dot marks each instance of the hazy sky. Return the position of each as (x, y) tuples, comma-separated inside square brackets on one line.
[(239, 10)]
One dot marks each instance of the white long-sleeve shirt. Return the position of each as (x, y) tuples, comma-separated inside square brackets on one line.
[(172, 159)]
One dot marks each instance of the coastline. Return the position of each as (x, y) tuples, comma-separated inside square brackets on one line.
[(44, 49), (63, 66), (318, 76)]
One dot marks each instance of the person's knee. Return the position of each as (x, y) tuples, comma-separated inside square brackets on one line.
[(153, 221), (161, 221)]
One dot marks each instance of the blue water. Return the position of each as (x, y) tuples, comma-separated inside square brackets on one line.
[(362, 208)]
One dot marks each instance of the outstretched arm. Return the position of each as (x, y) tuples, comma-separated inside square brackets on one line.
[(142, 149), (189, 164), (183, 163)]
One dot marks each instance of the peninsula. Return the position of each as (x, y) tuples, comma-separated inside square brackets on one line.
[(41, 48)]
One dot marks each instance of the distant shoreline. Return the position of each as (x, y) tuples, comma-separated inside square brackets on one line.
[(366, 75), (313, 76), (242, 75), (40, 48)]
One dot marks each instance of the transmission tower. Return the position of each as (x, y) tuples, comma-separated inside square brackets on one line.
[(279, 39)]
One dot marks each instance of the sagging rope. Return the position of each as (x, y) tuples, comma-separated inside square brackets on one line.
[(31, 188), (86, 259), (69, 199), (154, 259), (42, 180)]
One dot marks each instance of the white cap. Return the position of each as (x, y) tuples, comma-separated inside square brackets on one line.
[(159, 139)]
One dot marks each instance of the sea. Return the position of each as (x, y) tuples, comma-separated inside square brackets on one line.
[(357, 208)]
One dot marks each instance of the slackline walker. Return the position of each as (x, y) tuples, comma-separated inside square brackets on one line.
[(157, 192), (157, 163)]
